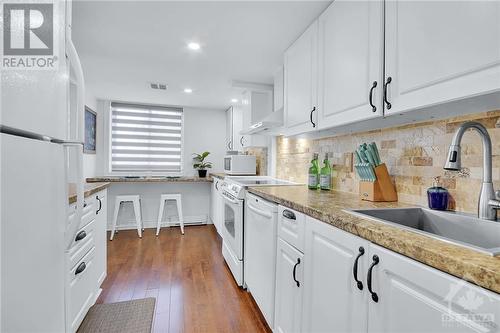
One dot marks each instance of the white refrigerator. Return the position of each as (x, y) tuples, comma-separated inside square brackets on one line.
[(41, 143)]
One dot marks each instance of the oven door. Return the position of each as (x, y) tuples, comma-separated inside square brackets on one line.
[(233, 225)]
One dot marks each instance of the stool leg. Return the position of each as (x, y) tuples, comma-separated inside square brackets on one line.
[(140, 211), (160, 216), (181, 217), (115, 217), (137, 212)]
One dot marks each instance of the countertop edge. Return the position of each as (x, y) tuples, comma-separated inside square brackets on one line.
[(150, 180), (424, 249), (90, 188)]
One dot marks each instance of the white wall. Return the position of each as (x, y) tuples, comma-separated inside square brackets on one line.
[(89, 160), (204, 130)]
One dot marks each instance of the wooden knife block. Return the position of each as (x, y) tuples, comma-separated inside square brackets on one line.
[(381, 190)]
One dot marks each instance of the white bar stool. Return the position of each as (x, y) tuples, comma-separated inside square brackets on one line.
[(178, 201), (136, 201)]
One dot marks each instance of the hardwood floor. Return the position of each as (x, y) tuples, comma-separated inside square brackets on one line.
[(193, 287)]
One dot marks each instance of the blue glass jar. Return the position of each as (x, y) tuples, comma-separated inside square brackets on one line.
[(437, 196)]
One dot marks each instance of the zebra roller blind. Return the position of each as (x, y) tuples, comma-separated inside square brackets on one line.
[(146, 138)]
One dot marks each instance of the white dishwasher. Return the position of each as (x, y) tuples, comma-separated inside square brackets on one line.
[(261, 220)]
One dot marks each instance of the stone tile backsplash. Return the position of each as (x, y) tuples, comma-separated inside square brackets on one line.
[(414, 155)]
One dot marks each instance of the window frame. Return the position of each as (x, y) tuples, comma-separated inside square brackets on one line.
[(109, 136)]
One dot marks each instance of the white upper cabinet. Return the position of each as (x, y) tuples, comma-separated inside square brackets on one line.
[(237, 127), (229, 128), (414, 297), (333, 299), (255, 106), (301, 83), (278, 90), (440, 51), (350, 62)]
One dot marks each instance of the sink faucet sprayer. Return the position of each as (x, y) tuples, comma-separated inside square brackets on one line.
[(488, 204)]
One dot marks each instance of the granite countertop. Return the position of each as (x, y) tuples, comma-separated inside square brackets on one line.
[(480, 269), (89, 189), (153, 179)]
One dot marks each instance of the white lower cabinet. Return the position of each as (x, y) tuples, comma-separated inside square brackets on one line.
[(415, 297), (289, 288), (333, 300), (216, 205), (100, 237), (318, 290)]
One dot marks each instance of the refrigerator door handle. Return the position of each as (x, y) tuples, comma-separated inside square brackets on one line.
[(72, 228), (74, 62)]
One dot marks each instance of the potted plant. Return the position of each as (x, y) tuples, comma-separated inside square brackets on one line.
[(200, 164)]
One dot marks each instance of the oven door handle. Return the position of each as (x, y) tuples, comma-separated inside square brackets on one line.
[(236, 202)]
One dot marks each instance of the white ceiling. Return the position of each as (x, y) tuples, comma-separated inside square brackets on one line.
[(127, 44)]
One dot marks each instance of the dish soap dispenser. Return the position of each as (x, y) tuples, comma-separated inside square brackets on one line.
[(437, 196), (313, 179), (325, 178)]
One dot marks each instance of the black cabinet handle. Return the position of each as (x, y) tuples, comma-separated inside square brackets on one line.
[(100, 205), (374, 85), (80, 268), (217, 185), (81, 235), (311, 116), (389, 105), (294, 271), (289, 214), (369, 278), (241, 141), (84, 204), (355, 268)]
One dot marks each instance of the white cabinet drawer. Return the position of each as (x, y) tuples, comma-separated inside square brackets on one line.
[(88, 211), (81, 289), (291, 227), (82, 246)]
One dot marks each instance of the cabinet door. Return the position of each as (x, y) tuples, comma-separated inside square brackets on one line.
[(237, 127), (229, 128), (100, 237), (278, 90), (350, 62), (289, 286), (415, 297), (439, 51), (333, 302), (213, 200), (301, 82)]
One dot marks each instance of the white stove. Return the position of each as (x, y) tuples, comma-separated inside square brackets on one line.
[(234, 192), (236, 185)]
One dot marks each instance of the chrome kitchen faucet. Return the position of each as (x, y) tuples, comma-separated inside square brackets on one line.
[(488, 202)]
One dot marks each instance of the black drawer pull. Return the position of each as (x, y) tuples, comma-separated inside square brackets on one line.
[(374, 85), (100, 205), (355, 268), (369, 278), (311, 116), (389, 105), (294, 271), (80, 268), (81, 235), (289, 214)]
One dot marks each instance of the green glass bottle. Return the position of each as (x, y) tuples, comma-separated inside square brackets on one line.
[(313, 179), (325, 178)]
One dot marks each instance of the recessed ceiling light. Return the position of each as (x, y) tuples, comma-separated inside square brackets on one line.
[(234, 100), (194, 46), (188, 90)]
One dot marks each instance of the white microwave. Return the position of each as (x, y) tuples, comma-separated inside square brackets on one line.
[(240, 165)]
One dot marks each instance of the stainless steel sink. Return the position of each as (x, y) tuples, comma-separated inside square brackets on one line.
[(477, 234)]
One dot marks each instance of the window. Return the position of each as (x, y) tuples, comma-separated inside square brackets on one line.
[(146, 138)]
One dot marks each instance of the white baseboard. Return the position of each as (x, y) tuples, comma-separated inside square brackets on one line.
[(188, 220)]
